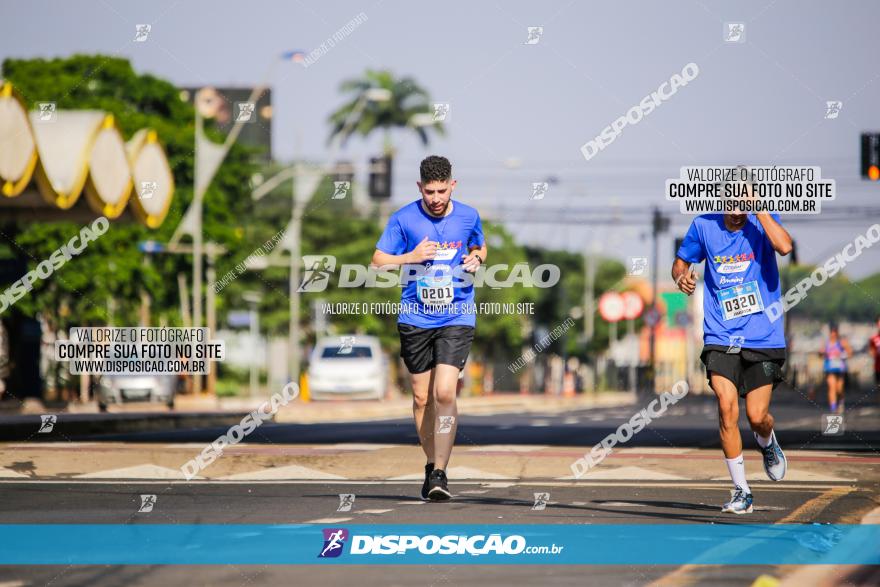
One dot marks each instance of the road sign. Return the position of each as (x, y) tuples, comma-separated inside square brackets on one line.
[(633, 305), (682, 319), (611, 306), (238, 319), (150, 247), (652, 317)]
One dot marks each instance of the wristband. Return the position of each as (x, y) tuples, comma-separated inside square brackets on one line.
[(477, 255)]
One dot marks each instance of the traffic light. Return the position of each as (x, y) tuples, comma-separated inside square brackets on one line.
[(380, 178), (659, 222), (871, 156)]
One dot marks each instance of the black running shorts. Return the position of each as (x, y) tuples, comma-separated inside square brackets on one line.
[(423, 348), (748, 369)]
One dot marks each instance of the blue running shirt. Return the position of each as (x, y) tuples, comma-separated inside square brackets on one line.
[(742, 279), (455, 232)]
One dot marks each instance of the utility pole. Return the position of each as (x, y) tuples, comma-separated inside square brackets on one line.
[(659, 224), (590, 309), (295, 251), (306, 180), (589, 296), (253, 298), (213, 250)]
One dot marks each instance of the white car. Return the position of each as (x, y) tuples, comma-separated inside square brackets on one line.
[(348, 367), (120, 389)]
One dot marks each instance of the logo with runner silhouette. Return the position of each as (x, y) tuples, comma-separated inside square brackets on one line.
[(334, 541), (47, 423), (832, 425), (318, 269)]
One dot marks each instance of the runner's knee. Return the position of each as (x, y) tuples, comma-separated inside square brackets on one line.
[(420, 397), (757, 416), (728, 413), (445, 394)]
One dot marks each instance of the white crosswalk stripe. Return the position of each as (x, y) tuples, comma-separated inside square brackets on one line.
[(287, 472)]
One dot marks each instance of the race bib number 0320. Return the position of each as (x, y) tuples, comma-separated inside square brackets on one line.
[(740, 300)]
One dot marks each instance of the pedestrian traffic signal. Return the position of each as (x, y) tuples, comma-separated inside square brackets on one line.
[(380, 178), (871, 156)]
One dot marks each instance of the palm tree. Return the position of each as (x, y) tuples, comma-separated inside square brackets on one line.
[(407, 106)]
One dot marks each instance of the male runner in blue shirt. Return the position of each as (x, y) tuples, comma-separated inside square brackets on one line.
[(435, 239), (743, 349)]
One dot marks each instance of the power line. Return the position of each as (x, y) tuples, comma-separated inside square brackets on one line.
[(641, 215)]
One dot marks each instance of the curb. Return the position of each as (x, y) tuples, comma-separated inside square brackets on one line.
[(26, 427)]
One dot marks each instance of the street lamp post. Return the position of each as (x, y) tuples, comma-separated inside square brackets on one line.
[(212, 251), (294, 229), (253, 298), (208, 157), (293, 334)]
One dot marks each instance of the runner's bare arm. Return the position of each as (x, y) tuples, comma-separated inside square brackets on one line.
[(425, 251), (685, 279), (471, 262), (779, 237)]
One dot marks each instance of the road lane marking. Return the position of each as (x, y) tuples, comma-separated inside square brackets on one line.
[(766, 486), (6, 473), (628, 473), (826, 574), (684, 575), (51, 445), (455, 474), (135, 472), (792, 475), (279, 473), (360, 446), (808, 511), (507, 448)]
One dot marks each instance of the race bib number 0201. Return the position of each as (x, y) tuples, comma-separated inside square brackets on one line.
[(435, 290), (740, 300)]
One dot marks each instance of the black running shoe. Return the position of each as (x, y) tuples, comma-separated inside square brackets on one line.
[(428, 468), (437, 490)]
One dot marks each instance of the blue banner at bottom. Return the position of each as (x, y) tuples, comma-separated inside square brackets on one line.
[(543, 544)]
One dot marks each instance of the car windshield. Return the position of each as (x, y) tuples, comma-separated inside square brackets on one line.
[(346, 352)]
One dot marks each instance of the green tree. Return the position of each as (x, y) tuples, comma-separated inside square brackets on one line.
[(555, 304), (407, 99), (106, 278), (836, 300)]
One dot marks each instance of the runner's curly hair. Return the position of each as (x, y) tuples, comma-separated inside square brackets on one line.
[(435, 168)]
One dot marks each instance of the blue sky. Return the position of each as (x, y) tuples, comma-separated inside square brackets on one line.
[(757, 102)]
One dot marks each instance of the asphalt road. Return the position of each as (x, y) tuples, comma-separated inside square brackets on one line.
[(393, 502), (838, 483), (691, 423)]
